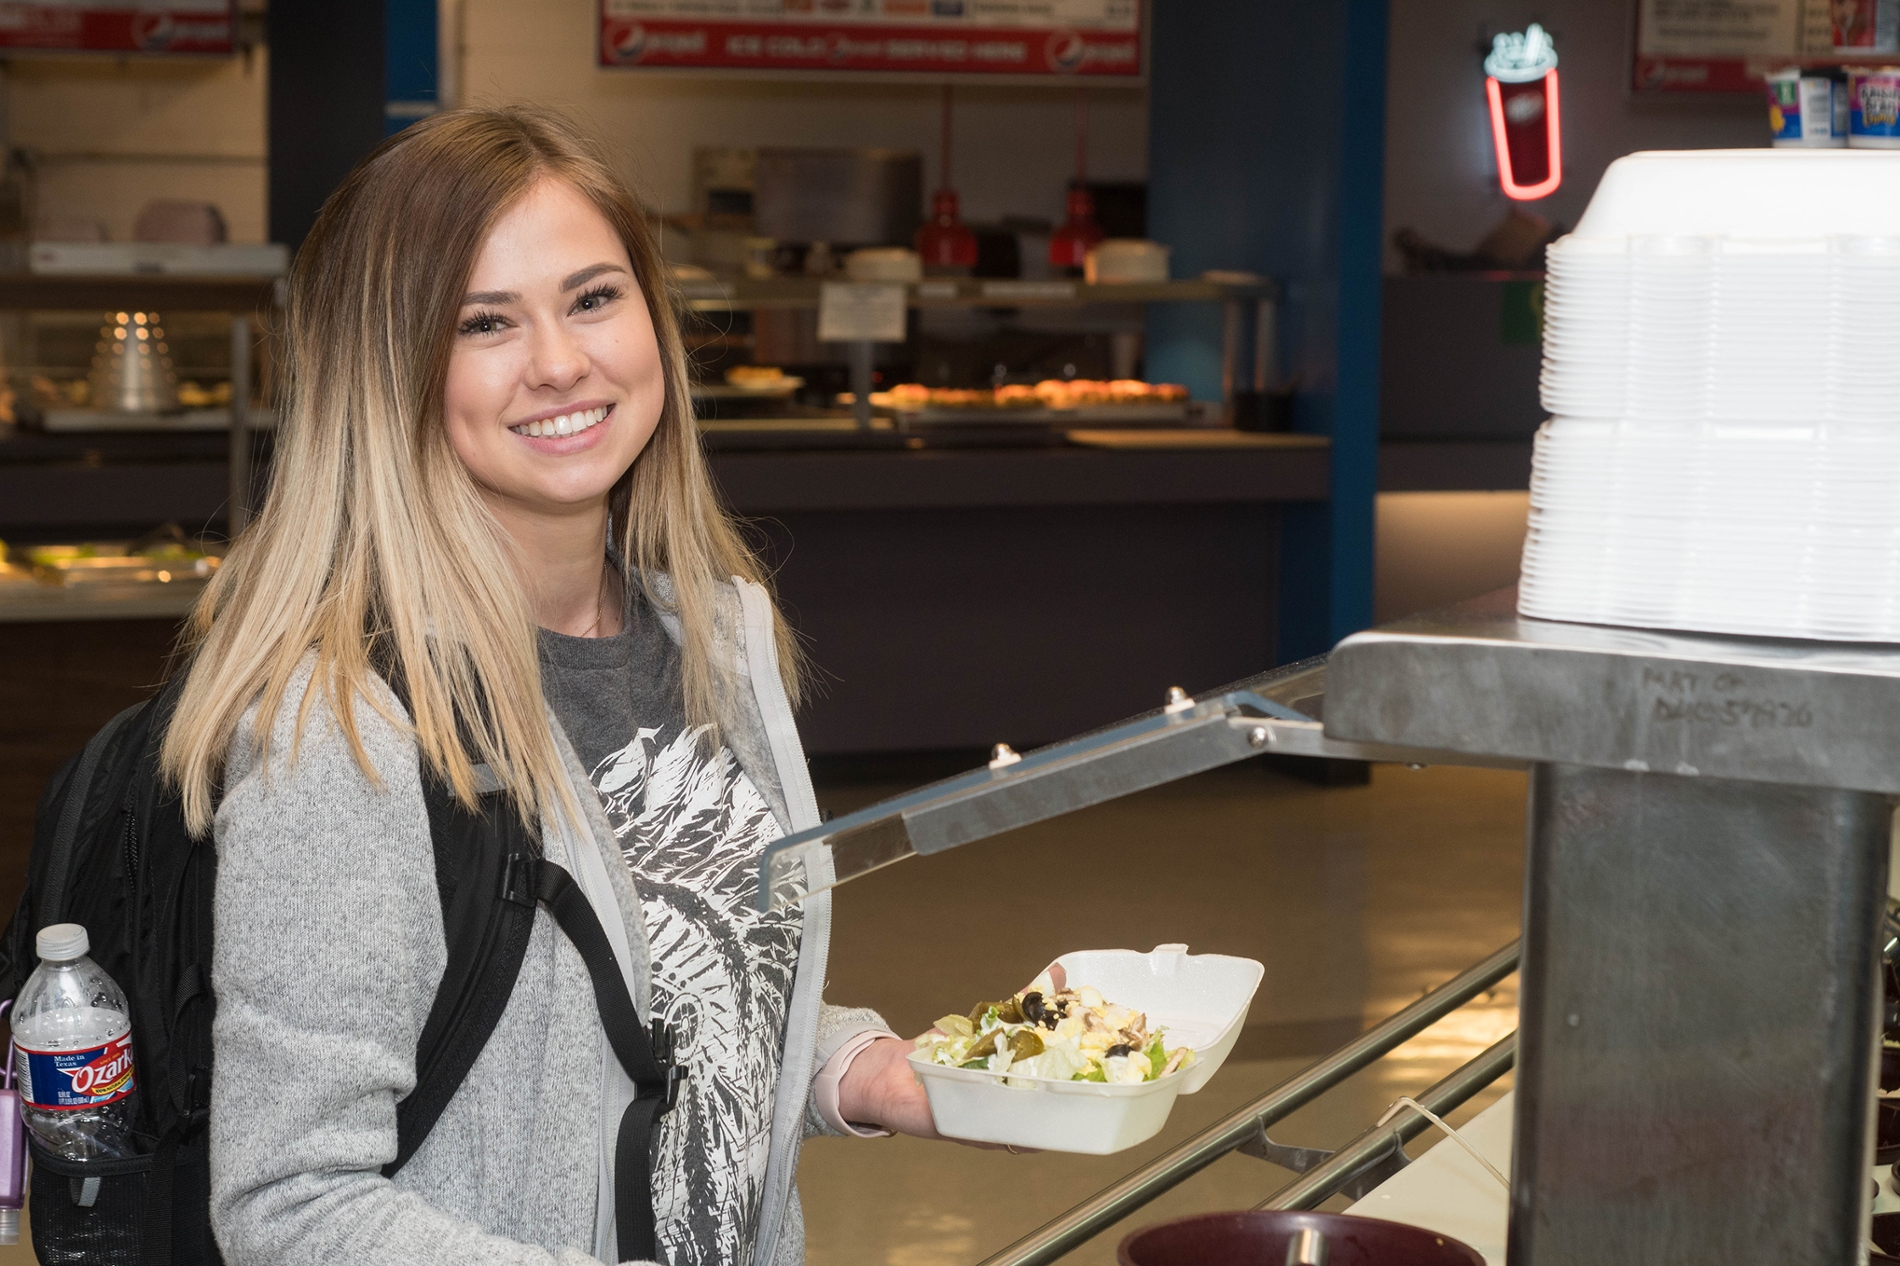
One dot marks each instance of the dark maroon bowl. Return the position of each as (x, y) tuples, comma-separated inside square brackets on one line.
[(1260, 1237)]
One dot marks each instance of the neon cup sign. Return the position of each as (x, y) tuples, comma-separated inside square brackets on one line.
[(1521, 83)]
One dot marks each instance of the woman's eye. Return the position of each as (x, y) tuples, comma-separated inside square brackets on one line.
[(481, 323), (596, 299)]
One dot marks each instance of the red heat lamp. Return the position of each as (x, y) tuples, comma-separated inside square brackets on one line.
[(1078, 234), (945, 241), (1521, 84), (1070, 244)]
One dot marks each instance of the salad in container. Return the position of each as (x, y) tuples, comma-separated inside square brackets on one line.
[(1090, 1057)]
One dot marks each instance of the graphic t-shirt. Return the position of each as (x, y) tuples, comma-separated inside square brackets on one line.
[(691, 825)]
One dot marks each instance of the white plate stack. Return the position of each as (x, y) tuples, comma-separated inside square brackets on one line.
[(1722, 367)]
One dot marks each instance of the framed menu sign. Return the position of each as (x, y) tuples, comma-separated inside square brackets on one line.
[(1000, 39), (98, 26), (1728, 45)]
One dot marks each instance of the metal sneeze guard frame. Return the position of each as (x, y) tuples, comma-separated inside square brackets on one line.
[(1186, 736)]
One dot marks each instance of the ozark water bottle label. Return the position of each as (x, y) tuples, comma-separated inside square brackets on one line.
[(78, 1079)]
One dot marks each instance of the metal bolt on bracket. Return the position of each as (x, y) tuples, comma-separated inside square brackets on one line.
[(1257, 737), (1003, 756), (1178, 701)]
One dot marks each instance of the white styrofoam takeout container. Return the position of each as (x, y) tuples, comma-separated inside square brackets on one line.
[(1757, 193), (1200, 999)]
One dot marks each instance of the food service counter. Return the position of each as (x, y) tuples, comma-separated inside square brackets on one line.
[(948, 597)]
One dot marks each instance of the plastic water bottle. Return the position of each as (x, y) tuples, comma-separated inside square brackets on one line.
[(72, 1041)]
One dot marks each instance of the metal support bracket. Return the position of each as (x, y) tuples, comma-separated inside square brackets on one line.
[(1366, 1180), (1298, 1159), (1304, 1159)]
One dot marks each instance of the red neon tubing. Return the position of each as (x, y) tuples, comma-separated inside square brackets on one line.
[(1547, 186)]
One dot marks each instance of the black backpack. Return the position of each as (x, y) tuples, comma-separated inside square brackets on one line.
[(111, 852)]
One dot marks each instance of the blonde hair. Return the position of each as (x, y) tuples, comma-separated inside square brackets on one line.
[(372, 548)]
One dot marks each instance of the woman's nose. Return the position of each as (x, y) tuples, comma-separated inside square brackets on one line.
[(558, 360)]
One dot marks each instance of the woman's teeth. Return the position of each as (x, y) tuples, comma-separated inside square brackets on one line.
[(567, 424)]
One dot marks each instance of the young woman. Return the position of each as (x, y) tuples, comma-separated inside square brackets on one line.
[(488, 477)]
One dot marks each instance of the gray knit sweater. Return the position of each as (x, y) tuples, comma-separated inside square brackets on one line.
[(329, 945)]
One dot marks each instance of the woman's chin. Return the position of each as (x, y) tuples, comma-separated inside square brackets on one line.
[(573, 492), (568, 482)]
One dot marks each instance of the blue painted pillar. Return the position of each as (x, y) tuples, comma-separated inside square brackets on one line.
[(409, 63), (1267, 153)]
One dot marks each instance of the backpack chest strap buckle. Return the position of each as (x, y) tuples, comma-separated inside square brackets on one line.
[(521, 879), (667, 1088)]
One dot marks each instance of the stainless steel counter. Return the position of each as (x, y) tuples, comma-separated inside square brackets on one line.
[(30, 601), (1708, 848), (1477, 679)]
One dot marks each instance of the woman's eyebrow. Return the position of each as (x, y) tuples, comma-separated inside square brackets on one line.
[(572, 281), (575, 280)]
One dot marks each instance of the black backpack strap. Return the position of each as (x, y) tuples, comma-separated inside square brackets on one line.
[(485, 872), (475, 991), (648, 1062), (487, 864), (485, 875), (59, 860)]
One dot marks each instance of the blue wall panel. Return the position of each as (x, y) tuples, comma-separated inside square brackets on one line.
[(409, 63), (1267, 153)]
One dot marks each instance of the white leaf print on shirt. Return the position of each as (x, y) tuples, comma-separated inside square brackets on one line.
[(623, 775), (692, 826)]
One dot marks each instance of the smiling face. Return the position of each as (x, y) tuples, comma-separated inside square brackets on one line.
[(555, 381)]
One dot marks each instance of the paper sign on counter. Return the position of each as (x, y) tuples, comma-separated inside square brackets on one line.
[(856, 312)]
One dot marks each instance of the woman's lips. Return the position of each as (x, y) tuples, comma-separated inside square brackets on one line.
[(584, 430)]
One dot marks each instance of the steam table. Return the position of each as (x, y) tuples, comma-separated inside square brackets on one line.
[(1709, 831)]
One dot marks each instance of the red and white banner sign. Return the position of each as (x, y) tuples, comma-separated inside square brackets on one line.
[(1728, 45), (176, 26), (935, 37)]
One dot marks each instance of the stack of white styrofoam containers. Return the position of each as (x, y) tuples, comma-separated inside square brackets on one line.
[(1722, 367)]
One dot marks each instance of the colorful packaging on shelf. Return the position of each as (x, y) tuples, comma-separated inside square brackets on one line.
[(1876, 108), (1807, 109), (1865, 26)]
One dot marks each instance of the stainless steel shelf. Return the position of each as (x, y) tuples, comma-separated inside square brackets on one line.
[(243, 297), (1479, 679), (35, 603), (738, 294), (55, 292)]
